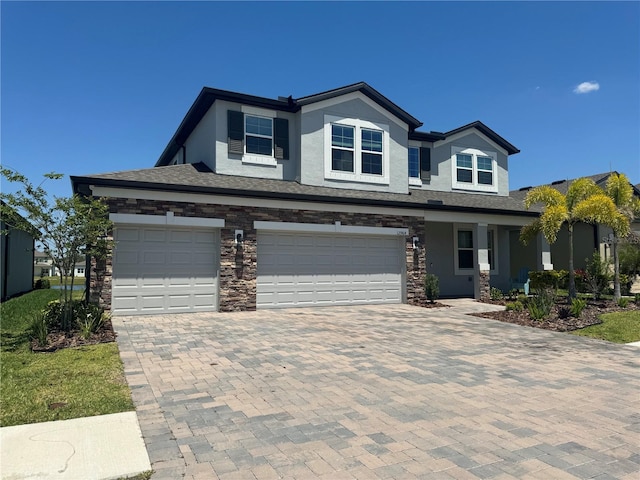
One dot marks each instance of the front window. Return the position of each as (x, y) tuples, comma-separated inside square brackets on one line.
[(474, 169), (259, 135), (356, 150), (464, 165), (490, 250), (465, 249), (414, 162), (342, 148), (372, 152), (485, 170)]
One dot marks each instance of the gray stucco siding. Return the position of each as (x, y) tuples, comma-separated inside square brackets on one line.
[(442, 167), (440, 257), (286, 169), (200, 145), (313, 147)]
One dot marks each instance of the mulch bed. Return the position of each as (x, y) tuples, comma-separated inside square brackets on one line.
[(57, 340), (560, 320)]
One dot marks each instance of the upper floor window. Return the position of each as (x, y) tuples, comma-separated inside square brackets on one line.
[(474, 169), (414, 162), (356, 150), (257, 135), (419, 165)]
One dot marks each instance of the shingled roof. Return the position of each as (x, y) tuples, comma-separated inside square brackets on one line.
[(562, 186), (198, 178)]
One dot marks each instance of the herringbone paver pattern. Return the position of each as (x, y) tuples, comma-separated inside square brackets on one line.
[(373, 392)]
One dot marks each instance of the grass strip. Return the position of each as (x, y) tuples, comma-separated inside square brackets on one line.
[(69, 383), (617, 327)]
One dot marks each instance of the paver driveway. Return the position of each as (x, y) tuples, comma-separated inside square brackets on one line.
[(379, 392)]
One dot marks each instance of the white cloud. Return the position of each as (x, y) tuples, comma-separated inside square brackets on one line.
[(586, 87)]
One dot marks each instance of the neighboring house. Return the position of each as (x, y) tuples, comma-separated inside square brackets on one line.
[(16, 260), (331, 199), (587, 237), (43, 266)]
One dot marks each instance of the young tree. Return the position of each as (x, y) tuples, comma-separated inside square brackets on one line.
[(583, 202), (66, 228), (627, 206)]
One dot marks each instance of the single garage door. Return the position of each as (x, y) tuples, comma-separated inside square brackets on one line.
[(298, 269), (164, 269)]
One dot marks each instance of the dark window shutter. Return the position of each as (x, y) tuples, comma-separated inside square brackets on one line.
[(235, 128), (425, 163), (281, 138)]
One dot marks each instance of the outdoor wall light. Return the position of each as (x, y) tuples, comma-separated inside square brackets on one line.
[(416, 243), (239, 238)]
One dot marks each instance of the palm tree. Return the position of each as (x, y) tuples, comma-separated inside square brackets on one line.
[(583, 202), (627, 206)]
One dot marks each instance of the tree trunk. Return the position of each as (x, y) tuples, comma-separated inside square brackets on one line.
[(616, 270), (572, 273)]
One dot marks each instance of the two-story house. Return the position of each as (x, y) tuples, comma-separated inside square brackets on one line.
[(330, 199)]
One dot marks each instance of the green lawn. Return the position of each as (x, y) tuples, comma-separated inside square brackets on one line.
[(56, 280), (88, 380), (618, 327)]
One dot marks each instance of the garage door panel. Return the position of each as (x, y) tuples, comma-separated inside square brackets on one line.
[(164, 269), (305, 269)]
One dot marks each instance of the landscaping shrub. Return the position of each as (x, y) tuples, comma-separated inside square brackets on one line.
[(431, 287), (39, 328), (516, 306), (89, 318), (496, 293), (541, 304), (625, 284), (637, 298), (577, 306), (41, 284), (548, 279), (513, 294), (596, 275), (623, 302)]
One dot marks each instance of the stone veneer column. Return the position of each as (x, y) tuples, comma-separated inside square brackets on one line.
[(482, 288), (100, 279), (238, 269), (416, 265)]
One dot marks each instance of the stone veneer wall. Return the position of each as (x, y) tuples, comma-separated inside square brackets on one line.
[(238, 267), (485, 287)]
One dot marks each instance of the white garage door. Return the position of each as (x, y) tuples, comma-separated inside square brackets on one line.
[(161, 269), (298, 269)]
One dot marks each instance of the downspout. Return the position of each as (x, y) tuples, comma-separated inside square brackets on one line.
[(33, 258), (5, 262)]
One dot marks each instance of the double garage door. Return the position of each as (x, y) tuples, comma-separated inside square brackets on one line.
[(162, 269), (166, 269), (298, 269)]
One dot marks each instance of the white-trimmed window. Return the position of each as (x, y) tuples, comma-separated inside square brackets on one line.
[(258, 135), (356, 150), (474, 169), (465, 250), (414, 162)]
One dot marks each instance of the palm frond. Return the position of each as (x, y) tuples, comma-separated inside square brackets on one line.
[(545, 195), (581, 189)]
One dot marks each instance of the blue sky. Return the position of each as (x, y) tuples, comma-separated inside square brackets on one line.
[(91, 87)]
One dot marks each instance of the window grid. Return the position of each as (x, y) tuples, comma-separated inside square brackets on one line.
[(414, 162), (259, 135), (371, 152)]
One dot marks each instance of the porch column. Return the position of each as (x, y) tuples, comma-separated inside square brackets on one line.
[(543, 256), (481, 281)]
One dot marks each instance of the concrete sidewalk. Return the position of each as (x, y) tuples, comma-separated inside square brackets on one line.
[(100, 448)]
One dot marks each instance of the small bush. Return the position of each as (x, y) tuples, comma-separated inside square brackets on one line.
[(432, 287), (577, 306), (596, 275), (546, 279), (39, 328), (541, 304), (42, 284), (516, 306), (91, 320), (513, 294), (623, 302), (637, 298), (496, 294)]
